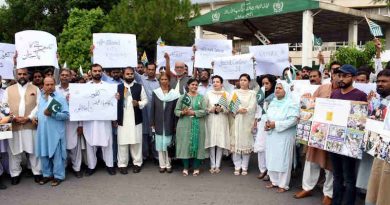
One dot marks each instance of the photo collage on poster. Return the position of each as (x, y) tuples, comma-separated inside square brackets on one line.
[(376, 140), (304, 123), (345, 139), (5, 122)]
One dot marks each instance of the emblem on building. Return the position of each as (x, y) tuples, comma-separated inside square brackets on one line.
[(278, 6), (215, 16)]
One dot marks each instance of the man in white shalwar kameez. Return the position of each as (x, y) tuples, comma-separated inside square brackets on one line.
[(98, 133), (73, 128), (132, 99), (23, 99)]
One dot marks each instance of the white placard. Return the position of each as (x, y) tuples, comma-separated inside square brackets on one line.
[(232, 67), (365, 87), (208, 49), (115, 50), (270, 59), (92, 102), (332, 111), (176, 53), (36, 48), (303, 86), (7, 52)]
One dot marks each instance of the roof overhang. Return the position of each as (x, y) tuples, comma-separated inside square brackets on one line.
[(281, 20)]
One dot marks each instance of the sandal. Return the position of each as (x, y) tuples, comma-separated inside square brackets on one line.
[(56, 182), (244, 172), (217, 170), (196, 173), (185, 172), (237, 172), (270, 186), (45, 180), (212, 170), (281, 190)]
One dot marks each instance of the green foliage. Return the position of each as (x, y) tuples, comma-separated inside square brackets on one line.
[(356, 57), (19, 15), (105, 5), (76, 38), (150, 19)]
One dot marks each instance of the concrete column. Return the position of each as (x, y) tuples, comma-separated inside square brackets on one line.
[(387, 36), (198, 32), (307, 38), (353, 33)]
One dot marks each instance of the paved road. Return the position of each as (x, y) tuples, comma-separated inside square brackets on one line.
[(151, 187)]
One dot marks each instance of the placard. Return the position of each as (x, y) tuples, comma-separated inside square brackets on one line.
[(92, 102), (232, 67), (7, 52), (270, 59), (176, 53), (5, 122), (114, 50), (209, 49)]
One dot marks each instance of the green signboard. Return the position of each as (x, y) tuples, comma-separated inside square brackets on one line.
[(251, 9)]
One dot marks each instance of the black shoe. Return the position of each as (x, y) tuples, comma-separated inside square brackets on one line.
[(89, 172), (123, 170), (56, 182), (136, 169), (45, 180), (2, 186), (111, 170), (78, 174), (37, 178), (15, 180)]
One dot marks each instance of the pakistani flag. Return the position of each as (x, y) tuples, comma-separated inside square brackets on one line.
[(54, 106), (317, 41), (186, 100), (260, 95), (375, 29), (288, 76)]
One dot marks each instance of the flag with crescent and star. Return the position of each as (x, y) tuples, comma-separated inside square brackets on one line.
[(260, 95), (54, 106), (186, 100)]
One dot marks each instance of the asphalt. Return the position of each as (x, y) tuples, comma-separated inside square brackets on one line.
[(151, 187)]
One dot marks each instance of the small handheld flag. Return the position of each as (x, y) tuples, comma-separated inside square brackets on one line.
[(260, 95), (223, 100), (375, 29), (81, 71), (160, 42), (144, 58), (234, 104), (54, 106), (186, 100)]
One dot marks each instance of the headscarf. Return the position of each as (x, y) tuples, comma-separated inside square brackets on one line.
[(285, 107)]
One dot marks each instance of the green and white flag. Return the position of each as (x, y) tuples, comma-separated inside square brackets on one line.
[(54, 106), (375, 29), (260, 95), (186, 100)]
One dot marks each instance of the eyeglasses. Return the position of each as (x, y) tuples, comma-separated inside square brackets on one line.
[(344, 75)]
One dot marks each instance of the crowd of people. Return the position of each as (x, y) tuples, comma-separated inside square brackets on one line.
[(166, 115)]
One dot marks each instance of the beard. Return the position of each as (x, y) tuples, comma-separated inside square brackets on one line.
[(129, 80), (96, 77), (383, 92), (22, 81), (344, 85)]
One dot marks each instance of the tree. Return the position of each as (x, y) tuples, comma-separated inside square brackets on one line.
[(76, 38), (356, 57), (105, 5), (151, 19), (18, 15)]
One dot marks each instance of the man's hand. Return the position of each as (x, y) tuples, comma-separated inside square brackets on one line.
[(378, 44), (242, 110), (23, 120), (117, 96), (47, 113), (34, 121), (135, 103), (79, 131), (115, 123), (166, 56)]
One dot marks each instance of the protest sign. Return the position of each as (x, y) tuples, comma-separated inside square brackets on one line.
[(7, 52), (365, 87), (338, 126), (305, 117), (176, 53), (232, 67), (270, 59), (114, 50), (36, 48), (209, 49), (92, 102)]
